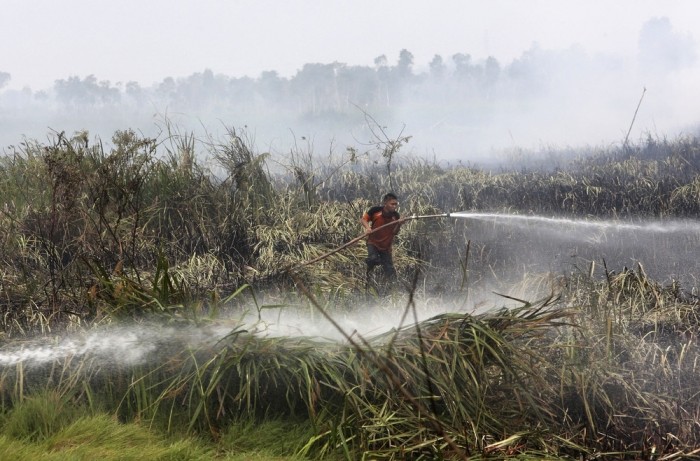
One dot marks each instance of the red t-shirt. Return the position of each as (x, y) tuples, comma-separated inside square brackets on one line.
[(383, 238)]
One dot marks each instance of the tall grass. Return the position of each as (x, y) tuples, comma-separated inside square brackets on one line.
[(46, 427), (149, 232), (559, 378)]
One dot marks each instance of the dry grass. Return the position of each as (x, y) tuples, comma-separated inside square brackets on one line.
[(603, 363), (571, 376)]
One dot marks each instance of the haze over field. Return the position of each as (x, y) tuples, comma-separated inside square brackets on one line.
[(463, 79)]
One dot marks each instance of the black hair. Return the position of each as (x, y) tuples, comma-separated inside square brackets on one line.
[(389, 196)]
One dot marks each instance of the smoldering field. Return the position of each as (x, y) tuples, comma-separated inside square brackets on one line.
[(157, 274), (163, 280), (529, 253)]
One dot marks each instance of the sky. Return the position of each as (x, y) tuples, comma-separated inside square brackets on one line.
[(146, 41)]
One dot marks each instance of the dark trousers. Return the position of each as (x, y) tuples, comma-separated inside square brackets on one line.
[(376, 257)]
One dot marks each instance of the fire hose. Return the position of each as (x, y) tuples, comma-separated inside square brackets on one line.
[(365, 235)]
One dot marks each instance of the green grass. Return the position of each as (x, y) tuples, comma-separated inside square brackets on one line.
[(587, 371), (44, 427)]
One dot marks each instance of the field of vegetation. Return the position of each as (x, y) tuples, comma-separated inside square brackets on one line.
[(126, 273)]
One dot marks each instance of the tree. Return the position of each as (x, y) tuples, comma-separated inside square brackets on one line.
[(199, 90), (4, 79), (166, 91), (86, 92), (404, 67), (437, 67), (400, 76), (271, 87), (358, 85), (492, 70), (74, 91), (463, 67), (107, 93), (382, 65), (135, 92), (381, 61), (318, 85)]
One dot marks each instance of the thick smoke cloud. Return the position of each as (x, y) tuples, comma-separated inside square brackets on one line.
[(453, 107)]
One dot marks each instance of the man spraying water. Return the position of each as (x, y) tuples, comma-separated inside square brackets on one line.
[(379, 242)]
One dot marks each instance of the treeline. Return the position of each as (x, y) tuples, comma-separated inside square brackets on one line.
[(321, 88)]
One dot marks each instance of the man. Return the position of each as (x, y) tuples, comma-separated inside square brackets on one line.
[(379, 242)]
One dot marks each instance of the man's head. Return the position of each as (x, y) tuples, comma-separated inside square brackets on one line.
[(390, 202), (389, 196)]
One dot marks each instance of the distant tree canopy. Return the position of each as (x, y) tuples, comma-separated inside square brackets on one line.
[(448, 102), (315, 89), (321, 89), (444, 99), (88, 91), (5, 78)]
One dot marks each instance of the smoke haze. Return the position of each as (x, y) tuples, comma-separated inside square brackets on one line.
[(454, 107)]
